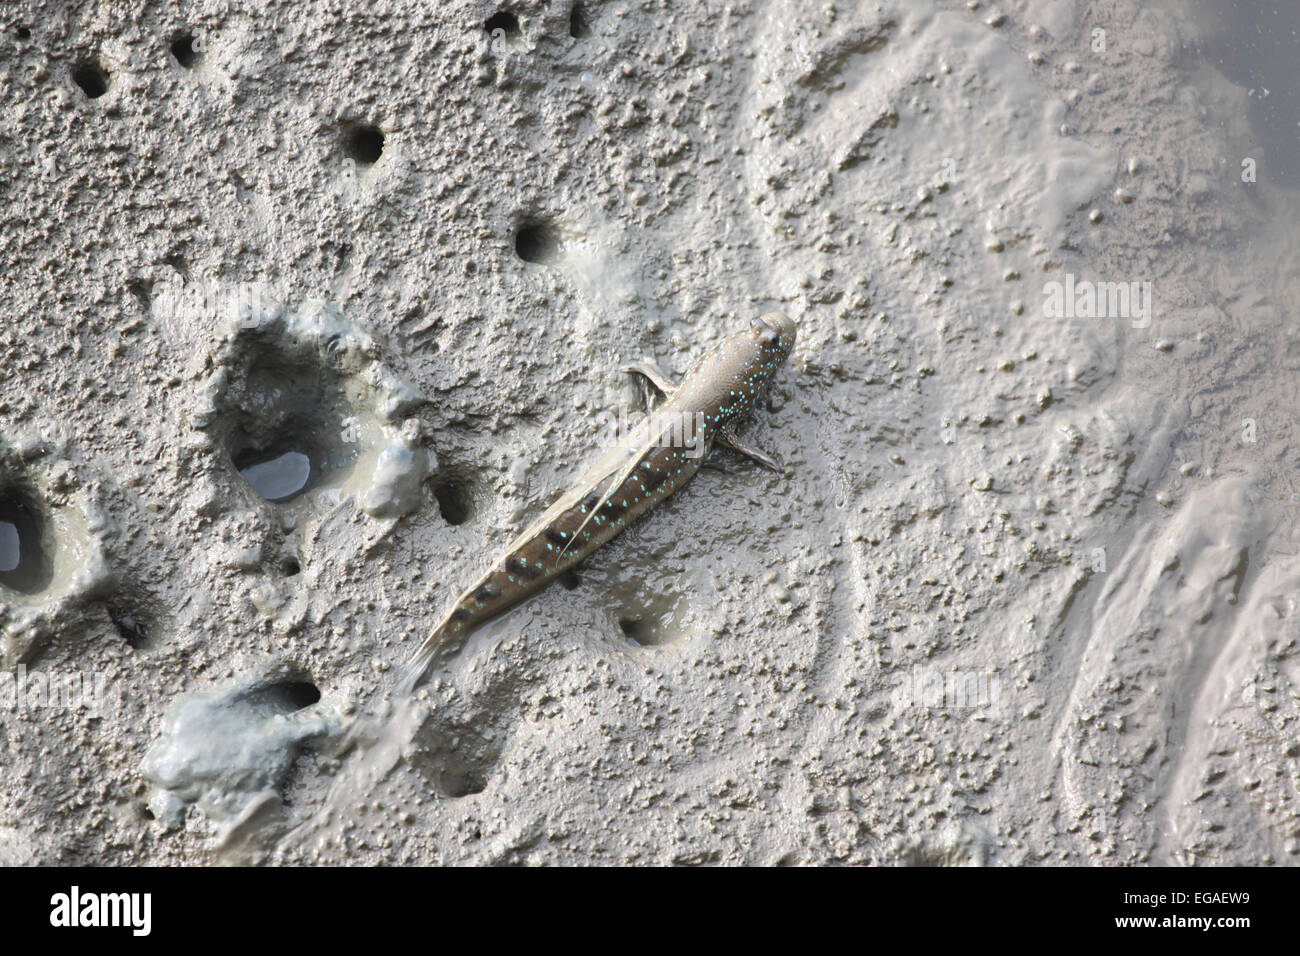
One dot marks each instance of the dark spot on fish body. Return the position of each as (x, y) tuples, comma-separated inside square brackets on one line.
[(485, 592), (460, 614), (556, 537), (653, 477), (521, 567)]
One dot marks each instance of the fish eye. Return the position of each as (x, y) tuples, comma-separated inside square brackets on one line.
[(768, 337)]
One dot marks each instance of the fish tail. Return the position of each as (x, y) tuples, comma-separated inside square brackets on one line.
[(416, 669)]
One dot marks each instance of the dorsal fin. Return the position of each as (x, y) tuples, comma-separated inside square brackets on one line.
[(620, 476)]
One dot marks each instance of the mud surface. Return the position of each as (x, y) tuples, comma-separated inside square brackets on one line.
[(311, 308)]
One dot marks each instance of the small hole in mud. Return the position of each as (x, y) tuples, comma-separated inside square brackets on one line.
[(290, 567), (537, 242), (24, 33), (463, 784), (283, 427), (570, 580), (129, 627), (365, 144), (645, 632), (579, 25), (146, 813), (286, 697), (454, 502), (24, 565), (141, 291), (92, 78), (300, 694), (183, 50), (504, 20)]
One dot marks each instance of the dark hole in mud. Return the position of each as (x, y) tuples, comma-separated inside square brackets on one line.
[(465, 783), (24, 33), (290, 567), (457, 759), (284, 697), (579, 25), (285, 431), (276, 475), (92, 78), (650, 631), (141, 291), (537, 242), (184, 51), (570, 580), (364, 143), (129, 627), (24, 565), (504, 20), (454, 501)]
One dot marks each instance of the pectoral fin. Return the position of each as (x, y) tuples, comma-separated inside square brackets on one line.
[(729, 438), (652, 374)]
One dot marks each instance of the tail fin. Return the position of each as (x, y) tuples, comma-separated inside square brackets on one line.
[(417, 668)]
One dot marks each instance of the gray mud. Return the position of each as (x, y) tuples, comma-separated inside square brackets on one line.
[(309, 313)]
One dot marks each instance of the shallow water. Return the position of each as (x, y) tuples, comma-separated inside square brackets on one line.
[(10, 549), (22, 561), (279, 478)]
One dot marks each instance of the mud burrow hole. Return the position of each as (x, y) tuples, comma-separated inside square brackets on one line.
[(363, 143), (506, 22), (651, 616), (91, 77), (25, 559), (187, 50), (457, 758), (283, 697), (579, 23), (130, 626), (284, 427), (454, 491), (537, 241)]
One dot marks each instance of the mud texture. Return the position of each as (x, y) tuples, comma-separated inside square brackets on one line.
[(310, 307)]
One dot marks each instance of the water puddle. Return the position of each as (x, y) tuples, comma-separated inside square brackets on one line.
[(281, 477), (23, 566)]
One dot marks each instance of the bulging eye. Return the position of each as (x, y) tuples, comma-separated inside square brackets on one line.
[(775, 331), (768, 335)]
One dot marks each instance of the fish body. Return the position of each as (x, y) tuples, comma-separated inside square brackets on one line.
[(655, 459)]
